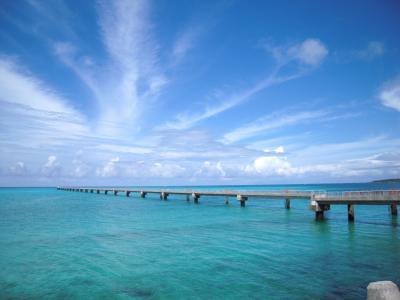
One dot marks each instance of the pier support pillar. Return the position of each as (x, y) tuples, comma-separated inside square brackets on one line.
[(91, 191), (105, 192), (187, 198), (393, 209), (128, 193), (319, 209), (86, 190), (142, 194), (350, 212), (98, 191), (195, 198), (319, 215), (115, 193), (287, 203), (164, 196), (242, 200), (226, 200)]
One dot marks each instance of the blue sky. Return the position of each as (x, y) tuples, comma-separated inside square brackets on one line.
[(203, 92)]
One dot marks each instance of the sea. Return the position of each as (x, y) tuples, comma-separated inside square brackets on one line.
[(70, 245)]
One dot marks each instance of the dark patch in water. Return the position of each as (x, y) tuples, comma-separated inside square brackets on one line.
[(219, 268), (141, 293)]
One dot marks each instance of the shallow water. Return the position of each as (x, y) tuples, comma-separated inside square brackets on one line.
[(59, 244)]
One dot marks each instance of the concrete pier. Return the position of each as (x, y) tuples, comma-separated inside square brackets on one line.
[(320, 200)]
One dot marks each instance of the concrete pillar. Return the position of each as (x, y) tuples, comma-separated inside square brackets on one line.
[(98, 191), (164, 196), (383, 290), (242, 200), (105, 192), (319, 215), (195, 198), (91, 191), (226, 200), (393, 209), (287, 203), (115, 192), (350, 212), (127, 193), (142, 194), (319, 209), (86, 190)]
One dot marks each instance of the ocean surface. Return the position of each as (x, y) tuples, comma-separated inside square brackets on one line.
[(70, 245)]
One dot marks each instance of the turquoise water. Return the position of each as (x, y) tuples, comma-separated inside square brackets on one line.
[(69, 245)]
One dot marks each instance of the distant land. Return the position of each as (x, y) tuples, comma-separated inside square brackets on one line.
[(394, 180)]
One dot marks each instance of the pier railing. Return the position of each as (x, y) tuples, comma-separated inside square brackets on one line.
[(385, 195)]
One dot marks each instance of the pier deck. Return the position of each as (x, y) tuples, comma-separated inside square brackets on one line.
[(319, 201)]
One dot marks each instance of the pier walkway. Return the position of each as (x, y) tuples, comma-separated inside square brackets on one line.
[(319, 201)]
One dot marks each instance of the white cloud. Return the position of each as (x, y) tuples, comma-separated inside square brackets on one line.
[(109, 169), (211, 169), (165, 170), (278, 150), (52, 167), (80, 168), (269, 165), (389, 94), (18, 169), (310, 52)]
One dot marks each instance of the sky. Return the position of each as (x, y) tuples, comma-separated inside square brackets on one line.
[(198, 92)]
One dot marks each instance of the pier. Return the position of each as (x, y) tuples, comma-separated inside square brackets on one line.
[(320, 202)]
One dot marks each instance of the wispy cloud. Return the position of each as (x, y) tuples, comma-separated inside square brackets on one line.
[(310, 53), (185, 42), (373, 49), (273, 121), (389, 94), (30, 109), (130, 78)]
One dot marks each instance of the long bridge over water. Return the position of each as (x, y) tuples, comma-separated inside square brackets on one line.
[(319, 201)]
